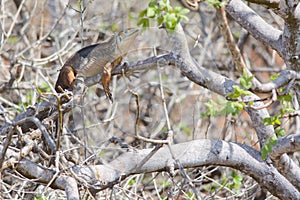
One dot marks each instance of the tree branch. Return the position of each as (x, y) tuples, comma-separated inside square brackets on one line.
[(193, 154), (255, 25), (268, 3), (286, 166), (43, 175), (287, 144)]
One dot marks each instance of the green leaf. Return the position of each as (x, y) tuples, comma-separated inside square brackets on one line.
[(160, 20), (142, 13), (114, 27), (215, 3), (185, 129), (264, 152), (169, 25), (277, 121), (267, 121), (164, 13), (245, 80), (152, 3), (177, 9), (13, 39), (274, 76), (163, 3), (151, 12), (41, 197), (287, 97), (210, 105), (273, 140), (267, 148), (272, 120), (144, 22), (238, 92), (185, 18), (184, 11), (280, 132), (132, 182)]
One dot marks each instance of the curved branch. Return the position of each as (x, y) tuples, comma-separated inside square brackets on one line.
[(287, 144), (255, 25), (44, 175), (284, 78), (192, 154)]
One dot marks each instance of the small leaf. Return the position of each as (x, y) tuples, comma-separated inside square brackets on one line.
[(245, 81), (169, 25), (267, 121), (177, 9), (12, 39), (160, 20), (184, 11), (280, 132), (273, 140), (274, 76), (277, 121), (287, 97), (151, 12), (144, 22), (185, 18), (142, 13), (264, 153), (152, 3)]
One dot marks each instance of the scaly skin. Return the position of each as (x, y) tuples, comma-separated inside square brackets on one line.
[(95, 59)]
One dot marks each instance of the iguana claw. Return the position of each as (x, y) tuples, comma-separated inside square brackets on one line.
[(106, 76), (105, 80)]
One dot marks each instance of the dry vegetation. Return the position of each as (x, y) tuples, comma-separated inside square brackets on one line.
[(38, 37)]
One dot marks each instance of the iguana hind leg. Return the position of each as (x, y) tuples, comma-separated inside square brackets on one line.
[(106, 76)]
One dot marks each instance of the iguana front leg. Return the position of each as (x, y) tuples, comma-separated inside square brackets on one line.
[(106, 76)]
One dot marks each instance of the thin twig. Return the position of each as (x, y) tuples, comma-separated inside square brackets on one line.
[(5, 145), (170, 131), (45, 36), (273, 99), (13, 23), (232, 46), (137, 120)]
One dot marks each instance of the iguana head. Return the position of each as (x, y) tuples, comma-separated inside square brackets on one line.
[(125, 38)]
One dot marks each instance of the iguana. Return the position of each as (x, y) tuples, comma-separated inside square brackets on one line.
[(95, 59)]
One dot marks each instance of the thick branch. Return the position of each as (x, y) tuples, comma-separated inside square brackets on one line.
[(193, 154), (283, 79), (287, 144), (44, 175), (290, 143), (268, 3), (255, 25)]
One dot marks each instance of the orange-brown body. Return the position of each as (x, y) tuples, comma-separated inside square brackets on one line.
[(95, 59)]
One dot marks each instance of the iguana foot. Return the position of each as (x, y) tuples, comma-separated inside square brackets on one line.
[(106, 76), (105, 80)]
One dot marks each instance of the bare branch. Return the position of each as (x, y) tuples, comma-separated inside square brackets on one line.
[(254, 24), (283, 79), (268, 3), (192, 154), (44, 175), (287, 144)]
